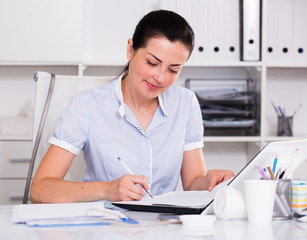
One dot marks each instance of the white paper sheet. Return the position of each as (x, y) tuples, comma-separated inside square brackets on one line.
[(180, 198), (63, 213)]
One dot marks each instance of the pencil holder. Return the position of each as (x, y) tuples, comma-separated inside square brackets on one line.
[(283, 200), (285, 126)]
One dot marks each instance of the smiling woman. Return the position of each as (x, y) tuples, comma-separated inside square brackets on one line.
[(156, 67), (152, 70), (141, 117)]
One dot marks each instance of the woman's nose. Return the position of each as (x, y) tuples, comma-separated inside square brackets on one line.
[(159, 76)]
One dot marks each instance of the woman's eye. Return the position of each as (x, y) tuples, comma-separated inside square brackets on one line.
[(151, 63), (172, 70)]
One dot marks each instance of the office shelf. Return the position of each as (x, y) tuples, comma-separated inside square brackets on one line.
[(288, 65), (15, 138), (224, 64), (276, 138), (103, 63), (41, 63), (232, 139)]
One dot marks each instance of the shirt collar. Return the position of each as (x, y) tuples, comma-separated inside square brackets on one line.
[(119, 93), (160, 97)]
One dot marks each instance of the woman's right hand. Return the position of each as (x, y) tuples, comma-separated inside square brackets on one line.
[(126, 188), (48, 185)]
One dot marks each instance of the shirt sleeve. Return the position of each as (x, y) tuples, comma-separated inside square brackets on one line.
[(194, 128), (71, 131)]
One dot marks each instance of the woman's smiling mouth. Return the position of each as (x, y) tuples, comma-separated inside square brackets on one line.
[(152, 86)]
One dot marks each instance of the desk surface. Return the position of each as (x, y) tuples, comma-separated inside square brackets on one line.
[(222, 230)]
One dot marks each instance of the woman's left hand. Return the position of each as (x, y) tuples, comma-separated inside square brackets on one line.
[(216, 176)]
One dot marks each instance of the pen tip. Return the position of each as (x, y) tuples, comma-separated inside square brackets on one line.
[(118, 158)]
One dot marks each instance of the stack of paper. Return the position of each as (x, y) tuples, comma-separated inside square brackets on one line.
[(60, 214)]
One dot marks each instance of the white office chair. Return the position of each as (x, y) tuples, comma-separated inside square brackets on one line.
[(53, 93)]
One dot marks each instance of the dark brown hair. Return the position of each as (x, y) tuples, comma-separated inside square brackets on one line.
[(162, 23)]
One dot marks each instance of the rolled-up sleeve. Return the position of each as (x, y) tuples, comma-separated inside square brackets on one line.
[(71, 131), (194, 128)]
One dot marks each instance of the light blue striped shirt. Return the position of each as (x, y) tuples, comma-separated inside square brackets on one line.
[(101, 124)]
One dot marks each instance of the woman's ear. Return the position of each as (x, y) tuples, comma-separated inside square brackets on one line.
[(129, 49)]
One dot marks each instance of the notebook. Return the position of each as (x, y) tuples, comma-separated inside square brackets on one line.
[(200, 202)]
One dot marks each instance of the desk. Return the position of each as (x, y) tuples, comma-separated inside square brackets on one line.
[(223, 230)]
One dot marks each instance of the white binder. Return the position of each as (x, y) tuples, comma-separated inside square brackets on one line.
[(250, 32), (200, 25), (271, 49), (285, 31), (299, 31), (196, 13), (231, 31), (216, 47)]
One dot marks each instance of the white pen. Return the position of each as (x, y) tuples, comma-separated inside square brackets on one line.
[(292, 164), (130, 171)]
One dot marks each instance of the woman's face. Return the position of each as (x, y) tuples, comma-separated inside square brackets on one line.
[(154, 68)]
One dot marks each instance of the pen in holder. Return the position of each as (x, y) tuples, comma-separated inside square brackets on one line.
[(283, 195), (285, 123), (283, 200), (285, 126)]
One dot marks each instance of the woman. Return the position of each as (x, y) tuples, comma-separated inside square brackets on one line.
[(141, 118)]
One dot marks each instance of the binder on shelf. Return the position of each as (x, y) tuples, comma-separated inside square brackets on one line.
[(250, 30), (216, 24), (231, 31), (271, 49), (299, 31), (200, 24), (285, 30)]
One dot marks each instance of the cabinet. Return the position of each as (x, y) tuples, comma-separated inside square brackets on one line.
[(92, 41), (15, 155), (17, 87)]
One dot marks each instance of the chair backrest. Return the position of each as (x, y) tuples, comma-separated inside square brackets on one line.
[(64, 88)]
